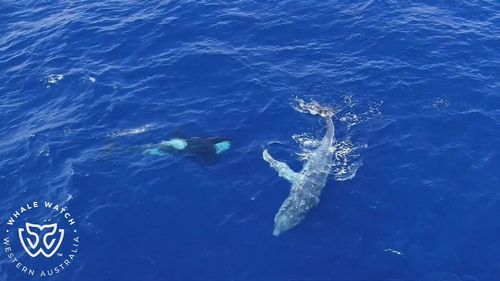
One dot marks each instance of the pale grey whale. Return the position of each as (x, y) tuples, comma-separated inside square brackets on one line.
[(307, 184)]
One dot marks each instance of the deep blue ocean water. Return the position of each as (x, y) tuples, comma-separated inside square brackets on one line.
[(85, 85)]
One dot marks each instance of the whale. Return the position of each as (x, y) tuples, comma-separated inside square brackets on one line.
[(309, 182), (205, 149)]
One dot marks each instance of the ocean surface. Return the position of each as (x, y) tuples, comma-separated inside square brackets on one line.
[(415, 191)]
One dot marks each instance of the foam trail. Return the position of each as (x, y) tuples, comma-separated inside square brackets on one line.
[(130, 132)]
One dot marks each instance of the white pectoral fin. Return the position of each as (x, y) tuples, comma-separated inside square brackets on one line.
[(282, 168)]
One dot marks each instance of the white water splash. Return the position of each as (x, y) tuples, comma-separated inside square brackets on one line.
[(346, 159), (306, 141), (441, 103), (307, 144), (396, 252), (351, 118), (53, 79), (45, 152)]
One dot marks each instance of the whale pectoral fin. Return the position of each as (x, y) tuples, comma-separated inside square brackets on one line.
[(282, 168)]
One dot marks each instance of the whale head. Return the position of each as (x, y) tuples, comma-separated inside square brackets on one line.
[(285, 221), (280, 226)]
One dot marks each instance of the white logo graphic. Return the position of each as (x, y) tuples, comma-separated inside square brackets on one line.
[(50, 241), (46, 232)]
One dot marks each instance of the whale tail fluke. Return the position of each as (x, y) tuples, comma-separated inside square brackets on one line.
[(314, 108)]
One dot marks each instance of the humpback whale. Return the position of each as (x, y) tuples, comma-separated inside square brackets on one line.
[(307, 184), (205, 149)]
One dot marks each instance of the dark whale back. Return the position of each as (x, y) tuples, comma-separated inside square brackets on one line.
[(204, 148)]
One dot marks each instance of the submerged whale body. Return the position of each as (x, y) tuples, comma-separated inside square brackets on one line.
[(307, 184), (205, 149)]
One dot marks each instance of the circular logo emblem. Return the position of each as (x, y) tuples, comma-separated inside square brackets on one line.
[(41, 239)]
